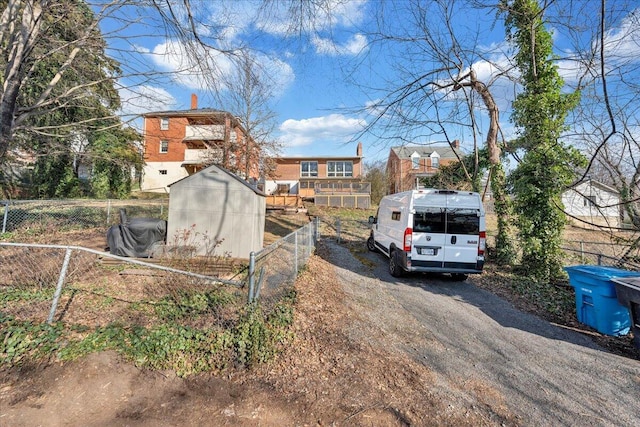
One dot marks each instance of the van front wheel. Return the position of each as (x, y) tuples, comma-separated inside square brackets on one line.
[(371, 244), (394, 264), (459, 277)]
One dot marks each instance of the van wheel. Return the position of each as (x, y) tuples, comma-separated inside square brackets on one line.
[(394, 264), (459, 277), (371, 244)]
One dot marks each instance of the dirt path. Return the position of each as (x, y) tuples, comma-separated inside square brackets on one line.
[(369, 350)]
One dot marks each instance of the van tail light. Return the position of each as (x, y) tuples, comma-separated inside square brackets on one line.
[(408, 235), (483, 243)]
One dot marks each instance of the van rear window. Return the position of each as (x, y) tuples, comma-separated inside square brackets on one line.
[(455, 221), (429, 221), (463, 221)]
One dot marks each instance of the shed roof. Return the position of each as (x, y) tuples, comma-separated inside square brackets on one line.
[(223, 170)]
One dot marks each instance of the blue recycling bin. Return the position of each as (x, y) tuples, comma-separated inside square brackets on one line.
[(596, 302)]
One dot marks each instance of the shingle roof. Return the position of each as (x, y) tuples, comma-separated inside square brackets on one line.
[(194, 112), (445, 151)]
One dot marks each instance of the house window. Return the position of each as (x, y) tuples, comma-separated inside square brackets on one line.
[(435, 162), (415, 160), (283, 189), (164, 146), (590, 201), (335, 169), (164, 123), (163, 171), (308, 169)]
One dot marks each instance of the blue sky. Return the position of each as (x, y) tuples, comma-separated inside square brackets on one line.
[(323, 80)]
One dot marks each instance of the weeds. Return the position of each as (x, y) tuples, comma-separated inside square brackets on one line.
[(253, 338), (23, 340)]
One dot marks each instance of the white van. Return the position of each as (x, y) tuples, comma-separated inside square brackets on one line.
[(430, 230)]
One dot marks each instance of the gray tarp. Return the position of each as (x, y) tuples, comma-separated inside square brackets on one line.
[(135, 237)]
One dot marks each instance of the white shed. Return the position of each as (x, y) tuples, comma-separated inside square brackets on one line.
[(215, 205), (593, 202)]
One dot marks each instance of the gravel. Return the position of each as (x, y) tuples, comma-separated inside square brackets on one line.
[(485, 351)]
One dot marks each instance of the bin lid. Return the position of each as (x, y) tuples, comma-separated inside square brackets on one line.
[(631, 282), (602, 272)]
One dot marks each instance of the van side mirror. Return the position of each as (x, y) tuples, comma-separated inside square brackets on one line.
[(372, 219)]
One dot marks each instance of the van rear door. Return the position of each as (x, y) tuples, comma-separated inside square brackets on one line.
[(445, 239), (462, 238), (429, 238)]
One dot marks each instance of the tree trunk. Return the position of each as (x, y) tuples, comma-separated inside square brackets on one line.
[(505, 252)]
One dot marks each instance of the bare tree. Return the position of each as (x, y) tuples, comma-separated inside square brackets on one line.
[(29, 35), (248, 92), (605, 124), (440, 90)]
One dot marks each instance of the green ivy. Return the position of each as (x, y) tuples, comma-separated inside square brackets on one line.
[(253, 338), (21, 341)]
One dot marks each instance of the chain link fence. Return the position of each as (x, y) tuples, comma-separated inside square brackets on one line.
[(610, 254), (273, 270), (87, 288), (354, 233), (18, 215)]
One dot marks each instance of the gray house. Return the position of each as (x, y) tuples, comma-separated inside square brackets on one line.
[(216, 212)]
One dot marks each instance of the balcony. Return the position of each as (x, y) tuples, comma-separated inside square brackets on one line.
[(342, 188), (201, 156), (206, 133)]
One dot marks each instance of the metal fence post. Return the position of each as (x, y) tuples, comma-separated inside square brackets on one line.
[(252, 271), (338, 229), (6, 215), (61, 277), (295, 252), (108, 211)]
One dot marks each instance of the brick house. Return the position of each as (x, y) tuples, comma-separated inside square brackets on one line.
[(408, 163), (327, 179), (180, 143)]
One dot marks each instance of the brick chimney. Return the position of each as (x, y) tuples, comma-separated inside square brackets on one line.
[(359, 150), (194, 101), (455, 143)]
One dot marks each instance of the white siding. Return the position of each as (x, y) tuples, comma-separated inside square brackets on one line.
[(212, 205), (153, 181), (605, 209)]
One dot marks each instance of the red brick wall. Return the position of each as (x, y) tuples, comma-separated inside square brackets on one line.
[(289, 169), (153, 136)]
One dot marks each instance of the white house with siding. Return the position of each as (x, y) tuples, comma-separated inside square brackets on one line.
[(594, 203)]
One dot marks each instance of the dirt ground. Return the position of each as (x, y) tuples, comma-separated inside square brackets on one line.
[(344, 367), (332, 374)]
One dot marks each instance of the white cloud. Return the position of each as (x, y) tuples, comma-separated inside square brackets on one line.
[(624, 42), (143, 99), (334, 128), (205, 74), (193, 70), (323, 16), (354, 46)]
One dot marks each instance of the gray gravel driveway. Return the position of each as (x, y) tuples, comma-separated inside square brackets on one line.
[(480, 345)]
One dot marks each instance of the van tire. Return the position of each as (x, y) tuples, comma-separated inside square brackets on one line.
[(459, 277), (394, 264), (371, 244)]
